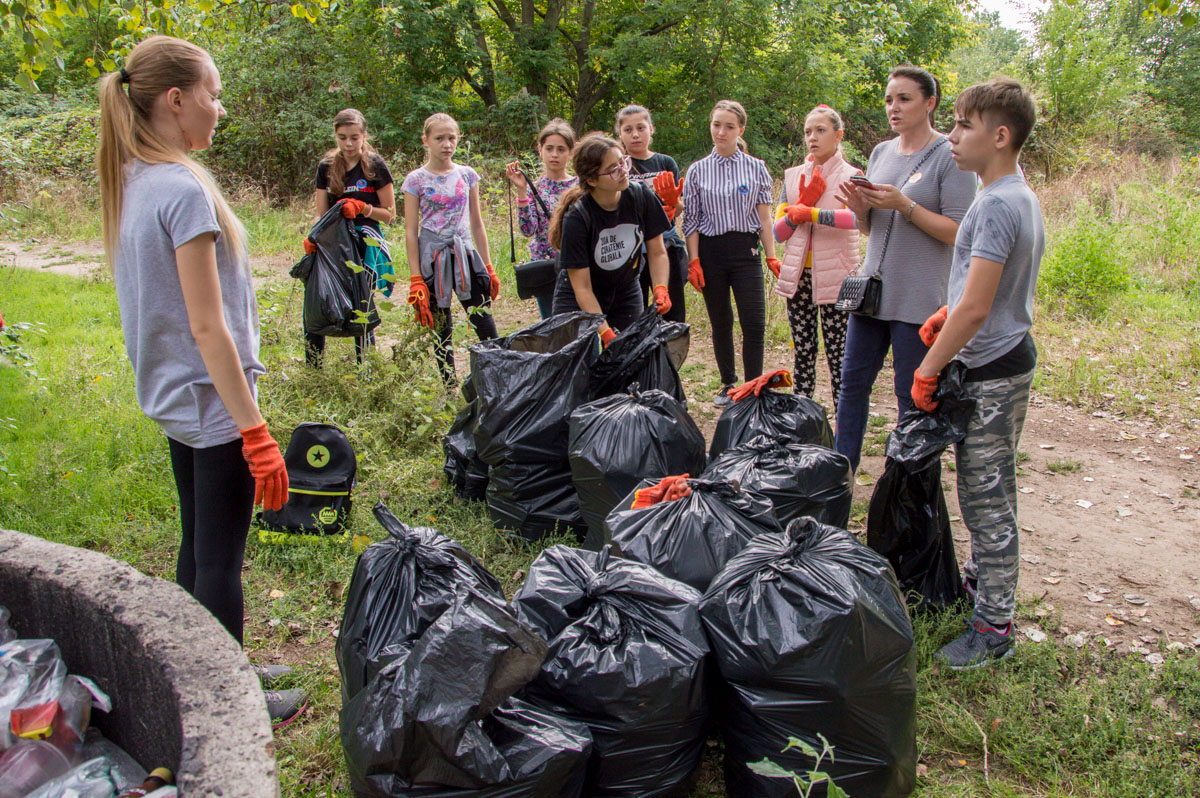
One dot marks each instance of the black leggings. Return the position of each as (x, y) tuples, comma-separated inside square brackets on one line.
[(730, 262), (216, 498), (479, 315), (314, 347)]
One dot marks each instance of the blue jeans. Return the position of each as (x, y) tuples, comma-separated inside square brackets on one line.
[(867, 343), (545, 302)]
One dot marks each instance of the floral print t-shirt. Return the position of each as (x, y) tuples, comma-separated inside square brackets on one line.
[(444, 199), (534, 224)]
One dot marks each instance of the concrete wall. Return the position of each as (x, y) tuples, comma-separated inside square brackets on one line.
[(183, 693)]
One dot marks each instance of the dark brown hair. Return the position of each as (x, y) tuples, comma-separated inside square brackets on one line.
[(588, 158), (1000, 101), (925, 81), (337, 161), (557, 127)]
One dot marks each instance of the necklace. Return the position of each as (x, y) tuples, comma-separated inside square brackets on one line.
[(932, 135)]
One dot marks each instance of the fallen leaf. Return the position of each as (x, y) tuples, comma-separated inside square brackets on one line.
[(1025, 490), (1045, 445), (1028, 528), (1094, 597), (1155, 658), (277, 593), (1075, 640), (958, 763), (1084, 503), (1035, 634), (922, 771), (1111, 621), (1124, 512), (1134, 598), (1051, 580), (1031, 558), (864, 479)]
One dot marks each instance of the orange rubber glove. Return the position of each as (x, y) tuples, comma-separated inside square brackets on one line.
[(774, 265), (922, 391), (667, 189), (668, 489), (353, 208), (811, 191), (418, 297), (933, 325), (606, 336), (669, 210), (266, 466), (696, 275), (495, 280), (780, 378), (662, 299), (309, 246), (798, 214)]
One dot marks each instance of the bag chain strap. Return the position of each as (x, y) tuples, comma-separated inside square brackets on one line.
[(892, 219)]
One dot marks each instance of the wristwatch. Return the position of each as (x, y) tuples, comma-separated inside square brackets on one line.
[(909, 210)]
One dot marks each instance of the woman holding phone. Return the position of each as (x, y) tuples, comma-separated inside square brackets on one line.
[(910, 211)]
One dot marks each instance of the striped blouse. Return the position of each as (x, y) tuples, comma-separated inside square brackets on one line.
[(722, 194)]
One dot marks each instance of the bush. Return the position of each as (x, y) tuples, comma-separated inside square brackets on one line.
[(1084, 267), (58, 145)]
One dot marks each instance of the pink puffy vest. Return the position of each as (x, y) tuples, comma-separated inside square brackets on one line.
[(834, 252)]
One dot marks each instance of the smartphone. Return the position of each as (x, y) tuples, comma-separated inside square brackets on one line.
[(861, 181)]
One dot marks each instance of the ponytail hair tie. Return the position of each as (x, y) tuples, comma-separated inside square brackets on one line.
[(124, 75)]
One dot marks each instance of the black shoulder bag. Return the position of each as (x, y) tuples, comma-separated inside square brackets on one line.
[(535, 276), (862, 295)]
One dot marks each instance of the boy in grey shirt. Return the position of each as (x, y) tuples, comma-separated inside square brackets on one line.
[(986, 327)]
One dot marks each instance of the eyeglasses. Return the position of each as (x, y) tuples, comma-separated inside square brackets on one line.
[(622, 168)]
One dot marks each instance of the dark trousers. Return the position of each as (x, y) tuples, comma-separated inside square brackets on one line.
[(216, 498), (314, 347), (731, 263), (479, 316), (620, 305), (676, 279), (545, 302), (867, 343)]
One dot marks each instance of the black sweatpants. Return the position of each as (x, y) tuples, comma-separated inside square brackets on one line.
[(216, 498), (479, 315), (731, 263)]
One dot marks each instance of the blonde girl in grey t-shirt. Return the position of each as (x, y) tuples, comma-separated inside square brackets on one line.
[(911, 215), (189, 315)]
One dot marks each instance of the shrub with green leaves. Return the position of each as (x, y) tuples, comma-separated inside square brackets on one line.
[(1084, 266)]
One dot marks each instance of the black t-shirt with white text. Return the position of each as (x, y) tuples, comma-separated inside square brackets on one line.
[(357, 186), (646, 169), (609, 243)]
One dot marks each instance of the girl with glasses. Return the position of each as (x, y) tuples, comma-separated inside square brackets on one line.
[(599, 229), (727, 225)]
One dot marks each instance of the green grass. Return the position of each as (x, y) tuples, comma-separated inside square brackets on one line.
[(86, 468), (1064, 466)]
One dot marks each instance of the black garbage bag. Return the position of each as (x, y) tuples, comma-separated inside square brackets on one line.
[(798, 479), (534, 500), (440, 719), (691, 539), (399, 587), (465, 472), (649, 352), (907, 519), (618, 441), (774, 414), (628, 658), (333, 291), (811, 635)]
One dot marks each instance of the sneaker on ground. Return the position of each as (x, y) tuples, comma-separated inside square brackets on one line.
[(978, 646), (722, 398), (284, 706), (268, 674)]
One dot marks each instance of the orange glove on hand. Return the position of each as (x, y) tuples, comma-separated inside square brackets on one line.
[(922, 391), (668, 489), (933, 325), (774, 265), (309, 246), (780, 378), (418, 297), (811, 191), (495, 280), (798, 214), (696, 275), (662, 299), (606, 336), (266, 466), (353, 208), (668, 190), (669, 210)]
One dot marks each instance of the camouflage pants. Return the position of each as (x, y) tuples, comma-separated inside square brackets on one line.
[(986, 464)]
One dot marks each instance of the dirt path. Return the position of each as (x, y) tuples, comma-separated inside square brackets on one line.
[(1110, 506)]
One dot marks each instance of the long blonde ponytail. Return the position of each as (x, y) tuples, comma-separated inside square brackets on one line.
[(153, 66)]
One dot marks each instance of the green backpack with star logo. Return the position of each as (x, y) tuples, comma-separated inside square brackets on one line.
[(321, 470)]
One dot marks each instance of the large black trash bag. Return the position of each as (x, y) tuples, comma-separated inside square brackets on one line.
[(907, 520), (627, 657), (798, 479), (534, 500), (691, 539), (333, 292), (649, 352), (811, 635), (465, 472), (618, 441), (774, 414), (399, 587), (441, 720)]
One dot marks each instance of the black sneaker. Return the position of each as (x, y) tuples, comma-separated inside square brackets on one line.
[(269, 674), (978, 646), (722, 398), (284, 706)]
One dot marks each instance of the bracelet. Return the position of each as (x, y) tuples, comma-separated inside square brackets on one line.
[(908, 212), (525, 201)]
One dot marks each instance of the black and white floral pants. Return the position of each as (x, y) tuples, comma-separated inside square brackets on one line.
[(802, 316)]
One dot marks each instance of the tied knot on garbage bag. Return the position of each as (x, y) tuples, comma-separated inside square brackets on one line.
[(772, 413), (339, 298), (780, 378), (648, 352), (667, 489)]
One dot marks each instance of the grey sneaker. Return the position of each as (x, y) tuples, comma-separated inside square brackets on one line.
[(978, 646), (284, 706), (269, 674), (722, 398)]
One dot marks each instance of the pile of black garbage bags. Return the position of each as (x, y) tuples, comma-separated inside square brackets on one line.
[(740, 606)]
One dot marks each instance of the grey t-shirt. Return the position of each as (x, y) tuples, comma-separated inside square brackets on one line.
[(1003, 224), (164, 207), (916, 265)]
